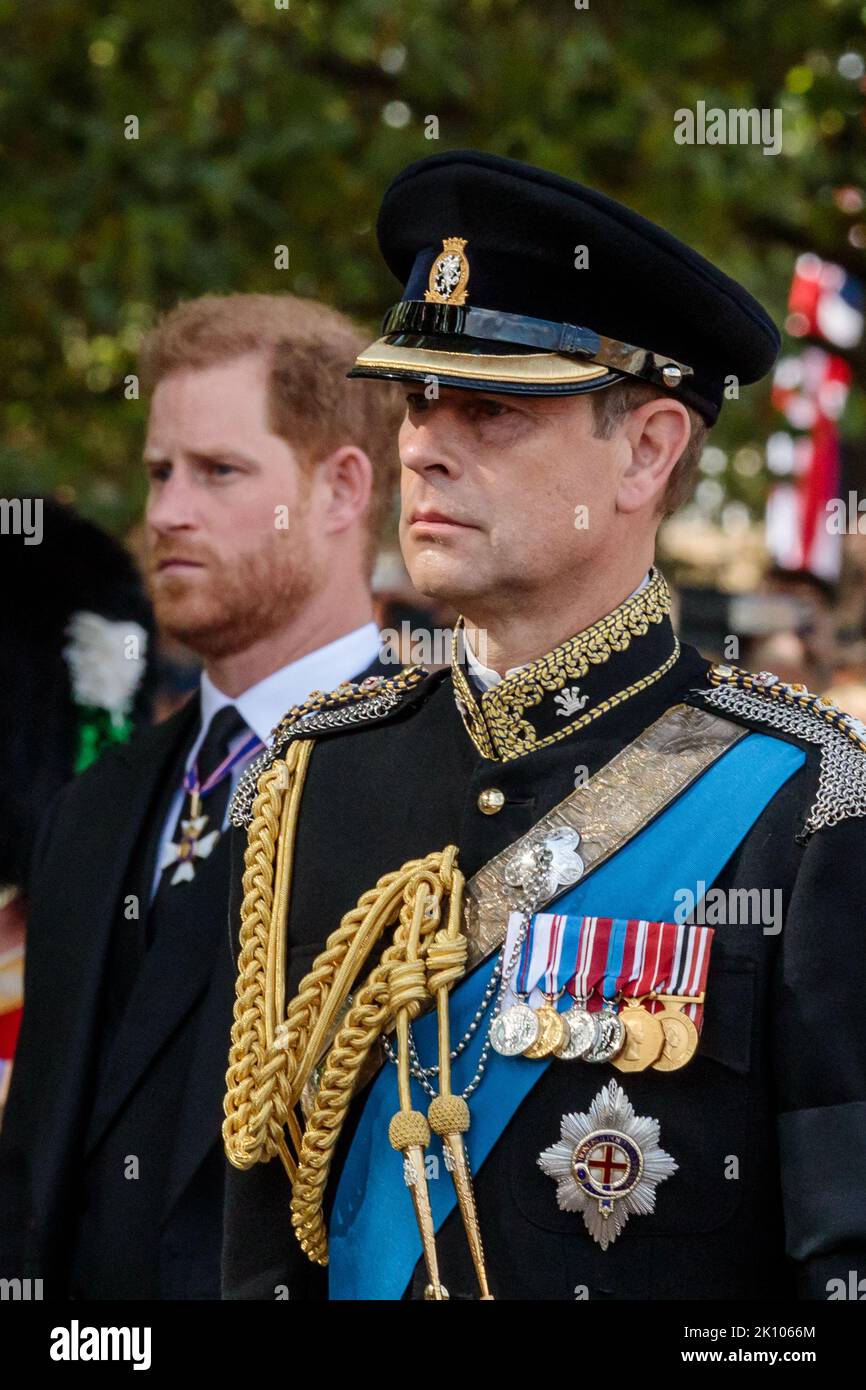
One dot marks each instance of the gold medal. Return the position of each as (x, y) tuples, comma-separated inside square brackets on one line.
[(681, 1040), (552, 1033), (644, 1038)]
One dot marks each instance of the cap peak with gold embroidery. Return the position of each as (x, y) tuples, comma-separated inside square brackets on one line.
[(519, 280)]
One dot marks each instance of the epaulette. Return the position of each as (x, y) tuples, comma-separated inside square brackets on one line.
[(792, 709), (350, 703)]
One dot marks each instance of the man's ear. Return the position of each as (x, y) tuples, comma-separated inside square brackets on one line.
[(345, 481), (655, 434)]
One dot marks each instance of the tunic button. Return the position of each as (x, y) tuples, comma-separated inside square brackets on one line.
[(491, 800)]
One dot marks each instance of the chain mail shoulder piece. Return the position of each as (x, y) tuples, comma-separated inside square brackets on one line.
[(792, 709), (349, 704)]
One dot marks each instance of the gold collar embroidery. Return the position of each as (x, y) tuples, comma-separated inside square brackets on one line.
[(496, 719)]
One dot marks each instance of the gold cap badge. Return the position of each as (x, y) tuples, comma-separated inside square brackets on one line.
[(449, 273)]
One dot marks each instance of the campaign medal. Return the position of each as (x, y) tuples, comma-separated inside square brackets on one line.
[(607, 1164), (542, 864), (582, 1032), (518, 1026), (680, 1036), (610, 1034), (552, 1029), (581, 1024), (644, 1038), (514, 1030), (683, 998), (552, 1032)]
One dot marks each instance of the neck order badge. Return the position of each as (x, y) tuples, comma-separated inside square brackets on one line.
[(198, 783)]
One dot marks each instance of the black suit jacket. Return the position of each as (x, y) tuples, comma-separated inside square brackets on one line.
[(79, 882)]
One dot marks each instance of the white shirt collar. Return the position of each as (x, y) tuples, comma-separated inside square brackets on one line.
[(263, 705), (485, 677)]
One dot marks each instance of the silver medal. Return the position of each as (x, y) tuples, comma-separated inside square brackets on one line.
[(582, 1034), (533, 873), (610, 1037), (515, 1029)]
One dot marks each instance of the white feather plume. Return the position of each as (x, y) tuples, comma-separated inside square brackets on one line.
[(106, 661)]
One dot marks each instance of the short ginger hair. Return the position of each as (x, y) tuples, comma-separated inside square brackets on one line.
[(311, 404)]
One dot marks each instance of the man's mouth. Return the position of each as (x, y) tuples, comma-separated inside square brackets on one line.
[(176, 564), (428, 519)]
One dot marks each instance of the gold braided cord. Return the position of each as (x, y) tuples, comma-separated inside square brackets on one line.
[(255, 1108), (275, 978), (448, 1115), (409, 1130), (273, 1050), (394, 984), (312, 1014), (322, 993), (446, 960)]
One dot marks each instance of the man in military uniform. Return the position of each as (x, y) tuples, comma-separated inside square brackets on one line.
[(475, 925)]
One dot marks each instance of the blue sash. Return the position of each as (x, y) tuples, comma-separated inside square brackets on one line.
[(373, 1239)]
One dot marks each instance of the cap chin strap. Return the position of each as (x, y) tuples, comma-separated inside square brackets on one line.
[(419, 316)]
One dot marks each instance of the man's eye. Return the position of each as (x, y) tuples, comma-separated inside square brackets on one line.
[(215, 469), (491, 408), (158, 472), (416, 400)]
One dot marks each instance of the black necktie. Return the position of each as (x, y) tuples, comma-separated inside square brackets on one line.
[(225, 728)]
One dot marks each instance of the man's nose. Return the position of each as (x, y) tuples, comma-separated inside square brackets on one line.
[(431, 445), (171, 505)]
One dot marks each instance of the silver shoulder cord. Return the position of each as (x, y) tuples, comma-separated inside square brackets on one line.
[(316, 721), (842, 771)]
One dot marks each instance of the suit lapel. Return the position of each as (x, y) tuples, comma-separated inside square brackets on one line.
[(171, 980), (201, 1112), (76, 909)]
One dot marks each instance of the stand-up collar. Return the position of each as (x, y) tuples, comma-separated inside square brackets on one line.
[(579, 681)]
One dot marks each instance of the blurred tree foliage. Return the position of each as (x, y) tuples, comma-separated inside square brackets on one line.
[(267, 122)]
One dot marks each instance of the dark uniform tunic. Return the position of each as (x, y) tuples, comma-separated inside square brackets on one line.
[(767, 1123)]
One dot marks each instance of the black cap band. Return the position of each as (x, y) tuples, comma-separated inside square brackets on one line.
[(418, 316)]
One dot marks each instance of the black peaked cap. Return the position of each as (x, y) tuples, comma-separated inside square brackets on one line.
[(520, 229)]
